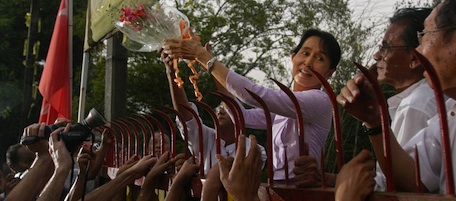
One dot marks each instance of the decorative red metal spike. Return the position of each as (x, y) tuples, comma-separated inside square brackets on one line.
[(116, 147), (144, 131), (124, 139), (130, 126), (446, 150), (336, 118), (267, 115), (124, 145), (385, 125), (173, 132), (239, 123), (184, 125), (151, 129), (216, 124), (294, 100), (238, 109), (200, 137), (160, 128)]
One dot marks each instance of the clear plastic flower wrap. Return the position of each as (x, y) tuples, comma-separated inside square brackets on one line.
[(146, 27), (149, 25)]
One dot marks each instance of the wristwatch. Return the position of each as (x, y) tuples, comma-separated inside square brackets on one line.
[(372, 131), (210, 64)]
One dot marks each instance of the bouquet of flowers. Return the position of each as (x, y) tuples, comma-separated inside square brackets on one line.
[(150, 25), (146, 28)]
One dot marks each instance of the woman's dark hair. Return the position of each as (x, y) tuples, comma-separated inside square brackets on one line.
[(446, 17), (413, 20), (329, 43)]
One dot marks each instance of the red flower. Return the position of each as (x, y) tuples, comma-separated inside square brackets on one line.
[(132, 15), (140, 12)]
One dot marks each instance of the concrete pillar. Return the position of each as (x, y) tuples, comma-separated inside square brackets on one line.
[(116, 79)]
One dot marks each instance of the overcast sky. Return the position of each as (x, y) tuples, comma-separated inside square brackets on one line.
[(379, 11)]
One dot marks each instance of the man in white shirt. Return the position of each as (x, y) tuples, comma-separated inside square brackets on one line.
[(227, 142), (414, 103), (437, 45)]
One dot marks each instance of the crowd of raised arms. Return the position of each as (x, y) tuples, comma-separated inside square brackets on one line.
[(41, 170)]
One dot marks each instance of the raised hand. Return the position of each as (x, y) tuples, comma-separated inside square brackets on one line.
[(60, 155), (83, 159), (355, 180), (62, 163), (242, 180), (180, 160), (166, 60), (153, 176), (212, 185), (358, 98), (164, 163), (62, 122), (142, 166), (178, 189), (37, 130), (307, 173), (98, 156), (188, 170), (127, 165), (184, 48)]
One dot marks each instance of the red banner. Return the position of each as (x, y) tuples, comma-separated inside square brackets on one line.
[(55, 80)]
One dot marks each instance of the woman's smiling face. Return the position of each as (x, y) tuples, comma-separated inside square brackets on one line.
[(310, 56)]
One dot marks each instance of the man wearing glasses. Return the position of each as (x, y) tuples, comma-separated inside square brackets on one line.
[(438, 46), (396, 65)]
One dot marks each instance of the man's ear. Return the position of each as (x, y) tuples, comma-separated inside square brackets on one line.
[(414, 63)]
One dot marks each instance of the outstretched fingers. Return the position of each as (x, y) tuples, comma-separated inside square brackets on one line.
[(240, 150), (254, 154)]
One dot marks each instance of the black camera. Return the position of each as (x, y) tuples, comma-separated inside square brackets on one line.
[(77, 133)]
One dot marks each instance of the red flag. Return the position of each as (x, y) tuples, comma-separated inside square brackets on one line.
[(55, 80)]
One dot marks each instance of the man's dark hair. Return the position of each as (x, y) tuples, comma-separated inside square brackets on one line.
[(12, 154), (413, 20), (329, 43), (446, 17)]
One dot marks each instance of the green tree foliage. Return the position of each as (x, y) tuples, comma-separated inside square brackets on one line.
[(13, 33)]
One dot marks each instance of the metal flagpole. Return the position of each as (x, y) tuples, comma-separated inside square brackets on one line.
[(82, 92), (85, 67)]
